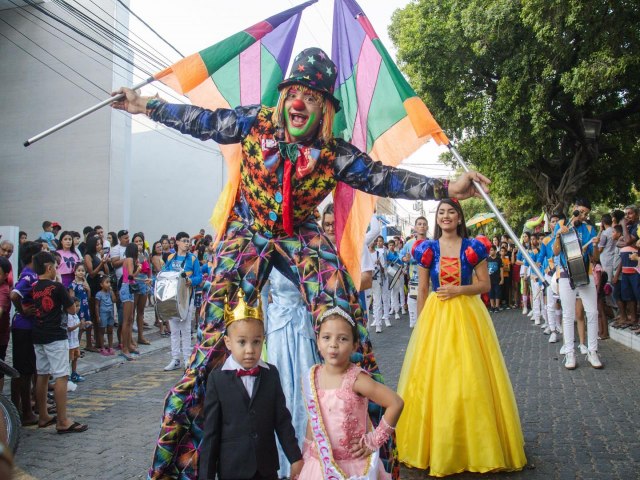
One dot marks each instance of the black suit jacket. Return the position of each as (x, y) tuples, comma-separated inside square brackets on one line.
[(238, 432)]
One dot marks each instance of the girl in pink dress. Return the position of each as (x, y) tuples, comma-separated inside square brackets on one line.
[(341, 443)]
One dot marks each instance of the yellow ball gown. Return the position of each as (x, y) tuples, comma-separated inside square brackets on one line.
[(460, 412)]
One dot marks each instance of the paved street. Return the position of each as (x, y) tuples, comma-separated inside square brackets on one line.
[(583, 424)]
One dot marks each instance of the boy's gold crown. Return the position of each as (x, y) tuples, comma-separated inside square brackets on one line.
[(242, 310)]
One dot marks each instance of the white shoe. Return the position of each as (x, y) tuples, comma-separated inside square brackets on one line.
[(525, 311), (563, 350), (378, 330), (71, 387), (547, 331), (397, 316), (570, 361), (404, 311), (544, 325), (172, 365), (594, 360), (536, 321), (553, 338), (560, 331), (583, 349), (530, 313)]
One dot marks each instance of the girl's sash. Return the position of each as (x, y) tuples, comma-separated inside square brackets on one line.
[(330, 468)]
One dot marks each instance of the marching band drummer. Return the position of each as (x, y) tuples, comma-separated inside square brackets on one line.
[(185, 261), (588, 293), (396, 290)]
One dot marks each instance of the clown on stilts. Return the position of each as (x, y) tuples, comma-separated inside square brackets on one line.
[(290, 162)]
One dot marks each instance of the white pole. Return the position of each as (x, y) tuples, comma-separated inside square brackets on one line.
[(499, 216), (84, 113)]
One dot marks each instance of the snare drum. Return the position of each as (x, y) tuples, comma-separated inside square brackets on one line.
[(576, 267), (172, 295)]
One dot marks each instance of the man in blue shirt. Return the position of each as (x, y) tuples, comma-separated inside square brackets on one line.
[(554, 312), (588, 294)]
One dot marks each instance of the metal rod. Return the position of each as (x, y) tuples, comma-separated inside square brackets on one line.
[(500, 218), (84, 113)]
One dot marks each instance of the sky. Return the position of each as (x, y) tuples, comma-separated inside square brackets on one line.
[(197, 24)]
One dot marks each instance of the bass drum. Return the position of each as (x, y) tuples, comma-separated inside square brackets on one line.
[(172, 295)]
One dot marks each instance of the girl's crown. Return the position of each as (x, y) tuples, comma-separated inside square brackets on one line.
[(336, 311), (242, 310)]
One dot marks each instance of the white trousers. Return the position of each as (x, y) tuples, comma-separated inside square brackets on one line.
[(412, 304), (180, 337), (537, 300), (589, 298), (396, 295), (551, 307), (381, 300)]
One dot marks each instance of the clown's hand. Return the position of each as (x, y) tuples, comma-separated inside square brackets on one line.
[(463, 187), (132, 102)]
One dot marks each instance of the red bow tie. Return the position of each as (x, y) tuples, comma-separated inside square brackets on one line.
[(252, 372)]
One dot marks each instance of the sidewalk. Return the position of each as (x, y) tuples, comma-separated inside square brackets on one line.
[(95, 362)]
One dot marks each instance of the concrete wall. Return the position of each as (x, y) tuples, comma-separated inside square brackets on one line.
[(72, 176), (175, 183), (89, 172)]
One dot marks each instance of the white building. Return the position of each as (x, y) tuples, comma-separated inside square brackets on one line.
[(93, 171)]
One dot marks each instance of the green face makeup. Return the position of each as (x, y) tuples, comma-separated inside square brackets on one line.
[(298, 132)]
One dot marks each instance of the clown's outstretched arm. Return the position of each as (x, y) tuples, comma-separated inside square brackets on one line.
[(224, 126), (361, 172)]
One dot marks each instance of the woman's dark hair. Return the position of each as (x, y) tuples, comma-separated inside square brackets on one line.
[(153, 249), (28, 250), (132, 252), (461, 229), (91, 248), (138, 234), (114, 238), (618, 215), (62, 235)]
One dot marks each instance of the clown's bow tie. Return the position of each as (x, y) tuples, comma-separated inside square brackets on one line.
[(252, 372)]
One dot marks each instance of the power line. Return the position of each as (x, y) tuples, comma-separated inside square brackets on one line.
[(22, 11), (150, 28)]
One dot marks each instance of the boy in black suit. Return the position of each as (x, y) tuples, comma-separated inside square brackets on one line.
[(244, 406)]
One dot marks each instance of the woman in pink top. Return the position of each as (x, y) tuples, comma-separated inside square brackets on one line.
[(143, 281), (69, 259)]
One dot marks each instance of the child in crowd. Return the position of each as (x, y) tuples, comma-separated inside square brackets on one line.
[(82, 292), (105, 299), (494, 263), (47, 235), (74, 325), (5, 309), (51, 343), (336, 394), (244, 405), (506, 276)]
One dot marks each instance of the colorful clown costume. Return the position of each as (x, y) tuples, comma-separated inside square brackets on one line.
[(255, 241)]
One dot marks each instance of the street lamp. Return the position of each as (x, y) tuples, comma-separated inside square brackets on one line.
[(591, 127)]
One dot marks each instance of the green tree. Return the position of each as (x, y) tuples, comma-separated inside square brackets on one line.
[(511, 82)]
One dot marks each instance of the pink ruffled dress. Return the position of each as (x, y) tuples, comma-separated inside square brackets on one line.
[(345, 418)]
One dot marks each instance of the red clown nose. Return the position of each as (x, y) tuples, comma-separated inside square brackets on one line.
[(298, 104)]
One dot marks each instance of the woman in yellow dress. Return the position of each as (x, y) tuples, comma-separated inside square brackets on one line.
[(460, 412)]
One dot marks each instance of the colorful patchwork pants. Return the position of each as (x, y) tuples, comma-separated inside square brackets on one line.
[(244, 259)]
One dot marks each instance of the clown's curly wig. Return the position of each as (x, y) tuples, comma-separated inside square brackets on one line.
[(328, 112)]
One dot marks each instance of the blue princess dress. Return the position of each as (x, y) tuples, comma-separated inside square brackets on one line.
[(291, 347)]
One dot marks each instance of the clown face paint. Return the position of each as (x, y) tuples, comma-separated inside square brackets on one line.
[(302, 113)]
